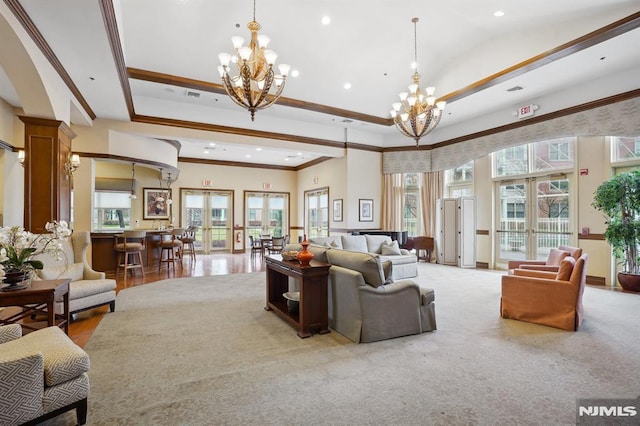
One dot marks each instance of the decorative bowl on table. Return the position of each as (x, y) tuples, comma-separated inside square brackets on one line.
[(289, 255)]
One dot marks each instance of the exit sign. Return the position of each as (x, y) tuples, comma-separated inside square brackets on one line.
[(527, 111)]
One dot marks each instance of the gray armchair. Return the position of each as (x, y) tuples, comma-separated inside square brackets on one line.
[(43, 375), (366, 307)]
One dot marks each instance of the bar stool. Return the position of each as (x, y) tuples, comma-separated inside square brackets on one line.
[(188, 240), (171, 245), (130, 243)]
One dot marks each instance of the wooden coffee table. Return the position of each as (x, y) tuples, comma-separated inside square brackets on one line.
[(39, 297)]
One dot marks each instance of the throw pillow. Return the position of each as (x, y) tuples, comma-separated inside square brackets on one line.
[(390, 249), (566, 267), (556, 256), (74, 271)]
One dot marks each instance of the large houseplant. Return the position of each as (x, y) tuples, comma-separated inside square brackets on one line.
[(619, 199)]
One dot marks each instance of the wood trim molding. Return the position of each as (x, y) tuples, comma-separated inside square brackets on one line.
[(594, 237), (37, 37), (482, 265), (482, 232), (593, 280), (234, 164), (607, 32), (111, 26), (60, 125), (7, 146), (138, 161)]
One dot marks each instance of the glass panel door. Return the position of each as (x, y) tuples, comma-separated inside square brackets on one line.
[(533, 217), (210, 211), (512, 230), (551, 227), (267, 213)]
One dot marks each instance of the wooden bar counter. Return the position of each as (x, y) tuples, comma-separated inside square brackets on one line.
[(104, 257)]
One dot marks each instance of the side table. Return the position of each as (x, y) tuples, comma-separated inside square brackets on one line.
[(39, 297), (312, 314)]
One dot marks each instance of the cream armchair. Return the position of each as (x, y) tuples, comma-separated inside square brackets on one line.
[(88, 288), (43, 375)]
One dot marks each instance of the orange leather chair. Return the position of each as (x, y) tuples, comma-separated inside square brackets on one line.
[(547, 298), (553, 259)]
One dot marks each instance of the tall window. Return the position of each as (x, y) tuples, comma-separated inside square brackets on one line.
[(543, 156), (317, 212), (625, 149), (411, 204), (459, 181), (112, 210)]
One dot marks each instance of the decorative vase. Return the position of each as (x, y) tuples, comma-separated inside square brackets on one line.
[(629, 282), (16, 280), (305, 256)]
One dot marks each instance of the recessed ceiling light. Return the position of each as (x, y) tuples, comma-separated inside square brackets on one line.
[(347, 85), (299, 153), (498, 13), (258, 149), (286, 159), (295, 73), (206, 151), (326, 20), (212, 144), (247, 156)]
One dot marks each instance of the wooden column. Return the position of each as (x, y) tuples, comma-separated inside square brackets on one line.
[(47, 184)]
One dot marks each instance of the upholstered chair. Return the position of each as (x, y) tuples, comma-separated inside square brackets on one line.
[(553, 259), (548, 298), (366, 305), (88, 288), (43, 375)]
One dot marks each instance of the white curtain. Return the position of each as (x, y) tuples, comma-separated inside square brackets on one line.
[(392, 202), (431, 189)]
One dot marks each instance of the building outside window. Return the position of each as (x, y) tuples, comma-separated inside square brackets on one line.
[(411, 204), (625, 148), (459, 181)]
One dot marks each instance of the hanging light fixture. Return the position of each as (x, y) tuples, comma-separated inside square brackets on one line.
[(417, 113), (133, 195), (160, 199), (250, 88)]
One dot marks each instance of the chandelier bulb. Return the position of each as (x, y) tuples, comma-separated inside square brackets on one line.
[(237, 42), (225, 58)]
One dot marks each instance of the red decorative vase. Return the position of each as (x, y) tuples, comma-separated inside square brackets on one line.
[(304, 256)]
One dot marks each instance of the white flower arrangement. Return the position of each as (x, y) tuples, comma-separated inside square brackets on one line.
[(18, 247)]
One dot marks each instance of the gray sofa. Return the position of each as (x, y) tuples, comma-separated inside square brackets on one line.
[(364, 304), (405, 264)]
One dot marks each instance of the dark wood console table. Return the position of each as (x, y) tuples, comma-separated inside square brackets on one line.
[(312, 314), (39, 297)]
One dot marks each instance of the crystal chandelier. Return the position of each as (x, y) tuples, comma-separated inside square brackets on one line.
[(417, 113), (250, 88)]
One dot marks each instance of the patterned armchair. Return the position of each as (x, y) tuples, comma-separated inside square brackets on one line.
[(43, 375)]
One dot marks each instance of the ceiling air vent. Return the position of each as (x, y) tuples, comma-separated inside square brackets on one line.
[(191, 94), (515, 89)]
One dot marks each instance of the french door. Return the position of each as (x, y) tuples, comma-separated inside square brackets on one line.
[(212, 212), (266, 213), (534, 215)]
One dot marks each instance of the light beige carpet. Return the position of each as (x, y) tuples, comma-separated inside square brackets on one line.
[(199, 351)]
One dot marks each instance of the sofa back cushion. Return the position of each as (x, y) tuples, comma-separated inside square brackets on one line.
[(67, 257), (75, 271), (355, 243), (375, 242), (367, 264), (575, 252), (332, 242)]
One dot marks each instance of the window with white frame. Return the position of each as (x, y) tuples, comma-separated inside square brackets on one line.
[(111, 210), (543, 156), (411, 204), (459, 181), (625, 148)]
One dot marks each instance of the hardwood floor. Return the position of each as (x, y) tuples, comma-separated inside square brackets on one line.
[(86, 322)]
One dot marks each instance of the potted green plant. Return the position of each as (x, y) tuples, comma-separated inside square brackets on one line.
[(619, 200)]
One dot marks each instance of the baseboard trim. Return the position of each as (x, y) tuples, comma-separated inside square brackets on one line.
[(592, 280), (482, 265)]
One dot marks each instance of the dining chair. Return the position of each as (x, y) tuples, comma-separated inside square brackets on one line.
[(188, 242), (256, 246), (171, 245), (277, 244)]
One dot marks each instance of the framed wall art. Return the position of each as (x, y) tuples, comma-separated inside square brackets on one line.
[(366, 210), (337, 210), (155, 203)]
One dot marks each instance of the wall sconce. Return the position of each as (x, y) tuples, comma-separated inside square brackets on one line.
[(21, 157), (72, 164)]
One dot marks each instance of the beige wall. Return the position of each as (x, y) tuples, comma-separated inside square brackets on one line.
[(483, 191)]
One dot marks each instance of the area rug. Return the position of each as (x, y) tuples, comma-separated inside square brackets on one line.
[(203, 351)]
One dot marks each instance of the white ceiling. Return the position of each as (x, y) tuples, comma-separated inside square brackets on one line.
[(368, 43)]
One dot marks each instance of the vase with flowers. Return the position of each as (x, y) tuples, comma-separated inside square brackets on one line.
[(18, 249)]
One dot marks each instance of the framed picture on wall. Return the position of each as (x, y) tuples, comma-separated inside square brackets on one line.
[(366, 210), (155, 203), (337, 210)]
